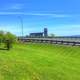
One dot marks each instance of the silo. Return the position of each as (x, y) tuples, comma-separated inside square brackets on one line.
[(45, 32)]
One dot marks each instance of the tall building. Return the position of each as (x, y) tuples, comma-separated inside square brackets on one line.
[(45, 32)]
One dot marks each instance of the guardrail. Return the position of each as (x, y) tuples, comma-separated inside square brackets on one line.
[(56, 40)]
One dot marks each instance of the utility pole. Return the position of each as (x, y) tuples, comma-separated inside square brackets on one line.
[(21, 21)]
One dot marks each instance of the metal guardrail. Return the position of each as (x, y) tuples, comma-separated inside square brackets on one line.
[(55, 40)]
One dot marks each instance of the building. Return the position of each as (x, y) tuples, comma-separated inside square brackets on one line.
[(40, 34)]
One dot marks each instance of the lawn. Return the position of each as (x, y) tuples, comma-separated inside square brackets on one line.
[(40, 62)]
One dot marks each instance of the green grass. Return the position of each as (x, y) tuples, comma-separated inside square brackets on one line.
[(40, 62)]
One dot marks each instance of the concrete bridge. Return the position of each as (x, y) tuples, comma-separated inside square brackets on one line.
[(74, 41)]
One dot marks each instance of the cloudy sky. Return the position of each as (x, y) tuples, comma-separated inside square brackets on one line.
[(61, 17)]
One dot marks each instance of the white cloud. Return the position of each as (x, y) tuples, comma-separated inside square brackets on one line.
[(34, 14), (16, 6), (12, 6)]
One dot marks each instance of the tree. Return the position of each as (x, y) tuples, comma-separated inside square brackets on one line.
[(52, 35), (1, 35), (6, 39), (9, 36)]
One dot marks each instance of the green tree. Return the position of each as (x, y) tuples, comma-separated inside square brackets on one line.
[(6, 39), (7, 36), (11, 37), (1, 36), (52, 35)]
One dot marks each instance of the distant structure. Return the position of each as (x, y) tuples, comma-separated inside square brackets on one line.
[(40, 34), (45, 32)]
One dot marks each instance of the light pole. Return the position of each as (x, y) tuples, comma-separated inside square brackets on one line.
[(21, 21)]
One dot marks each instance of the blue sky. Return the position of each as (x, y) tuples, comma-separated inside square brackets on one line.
[(61, 17)]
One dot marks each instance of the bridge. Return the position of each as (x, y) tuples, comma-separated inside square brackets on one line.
[(74, 41)]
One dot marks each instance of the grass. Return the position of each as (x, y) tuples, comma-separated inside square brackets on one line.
[(40, 62)]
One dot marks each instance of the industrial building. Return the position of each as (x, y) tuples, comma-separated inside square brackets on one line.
[(40, 34)]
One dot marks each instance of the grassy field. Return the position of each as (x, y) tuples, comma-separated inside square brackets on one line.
[(40, 62)]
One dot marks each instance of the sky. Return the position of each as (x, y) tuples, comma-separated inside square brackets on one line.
[(61, 17)]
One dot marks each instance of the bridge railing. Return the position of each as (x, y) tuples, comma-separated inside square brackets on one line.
[(55, 40)]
